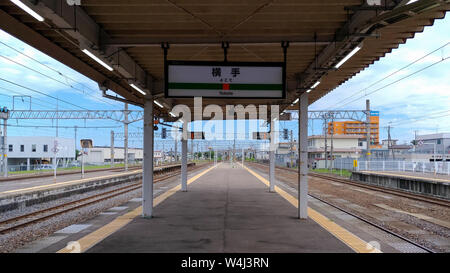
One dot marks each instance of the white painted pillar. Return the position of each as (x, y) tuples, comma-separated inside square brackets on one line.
[(303, 157), (184, 146), (28, 164), (147, 179)]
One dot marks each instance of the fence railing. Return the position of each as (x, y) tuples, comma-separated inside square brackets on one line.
[(438, 167)]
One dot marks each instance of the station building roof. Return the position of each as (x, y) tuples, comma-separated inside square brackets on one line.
[(128, 34)]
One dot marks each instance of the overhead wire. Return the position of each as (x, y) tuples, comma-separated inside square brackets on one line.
[(390, 75), (42, 93)]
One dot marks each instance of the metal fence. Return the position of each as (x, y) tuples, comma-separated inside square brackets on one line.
[(71, 166), (405, 166)]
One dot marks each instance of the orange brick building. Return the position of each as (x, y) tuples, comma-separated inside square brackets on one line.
[(359, 128)]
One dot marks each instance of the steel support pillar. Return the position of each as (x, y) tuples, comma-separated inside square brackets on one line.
[(147, 180), (184, 147), (303, 157)]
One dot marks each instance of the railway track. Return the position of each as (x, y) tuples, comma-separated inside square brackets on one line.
[(413, 196), (25, 220), (372, 223), (428, 199)]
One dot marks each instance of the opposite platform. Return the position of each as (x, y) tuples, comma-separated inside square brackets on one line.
[(225, 210)]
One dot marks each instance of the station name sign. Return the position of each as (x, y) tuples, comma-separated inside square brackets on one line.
[(187, 79)]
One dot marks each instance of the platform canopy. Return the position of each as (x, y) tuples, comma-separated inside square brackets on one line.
[(127, 36)]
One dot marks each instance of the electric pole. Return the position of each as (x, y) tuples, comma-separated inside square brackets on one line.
[(176, 147), (292, 149), (125, 142), (326, 144), (112, 148), (390, 143), (331, 148), (368, 130)]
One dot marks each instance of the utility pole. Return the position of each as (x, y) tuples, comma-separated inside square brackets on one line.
[(75, 129), (326, 144), (331, 148), (112, 148), (125, 142), (192, 149), (57, 116), (176, 147), (292, 149), (390, 143), (5, 147), (368, 130), (415, 140)]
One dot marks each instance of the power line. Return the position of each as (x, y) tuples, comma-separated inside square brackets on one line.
[(414, 121), (49, 67), (61, 82), (42, 93), (9, 90), (64, 127), (393, 73), (396, 81), (422, 116)]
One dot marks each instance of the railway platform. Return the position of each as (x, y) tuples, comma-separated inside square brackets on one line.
[(226, 209), (420, 183)]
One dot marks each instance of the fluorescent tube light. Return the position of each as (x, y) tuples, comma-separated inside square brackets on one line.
[(28, 10), (295, 101), (411, 1), (138, 89), (315, 85), (159, 104), (353, 52), (172, 114), (309, 90), (90, 54)]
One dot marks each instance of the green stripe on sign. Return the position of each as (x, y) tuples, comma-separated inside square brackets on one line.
[(219, 86)]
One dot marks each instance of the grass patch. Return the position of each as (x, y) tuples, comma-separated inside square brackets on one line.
[(344, 173)]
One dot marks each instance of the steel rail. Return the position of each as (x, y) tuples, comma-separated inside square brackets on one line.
[(84, 202)]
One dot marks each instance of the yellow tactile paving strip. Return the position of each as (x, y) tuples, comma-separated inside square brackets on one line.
[(100, 234), (408, 176), (348, 238)]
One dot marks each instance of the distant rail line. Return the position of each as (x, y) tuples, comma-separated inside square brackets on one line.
[(25, 220), (427, 199)]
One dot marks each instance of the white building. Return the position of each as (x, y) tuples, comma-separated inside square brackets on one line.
[(24, 152), (102, 154), (344, 146)]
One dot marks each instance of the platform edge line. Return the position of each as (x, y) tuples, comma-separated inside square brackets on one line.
[(95, 237), (345, 236)]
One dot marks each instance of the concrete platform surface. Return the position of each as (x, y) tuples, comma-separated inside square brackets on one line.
[(225, 210)]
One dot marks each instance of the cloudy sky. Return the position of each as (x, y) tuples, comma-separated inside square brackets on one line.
[(409, 99)]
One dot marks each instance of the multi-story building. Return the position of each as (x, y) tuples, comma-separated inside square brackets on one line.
[(29, 152), (359, 129)]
